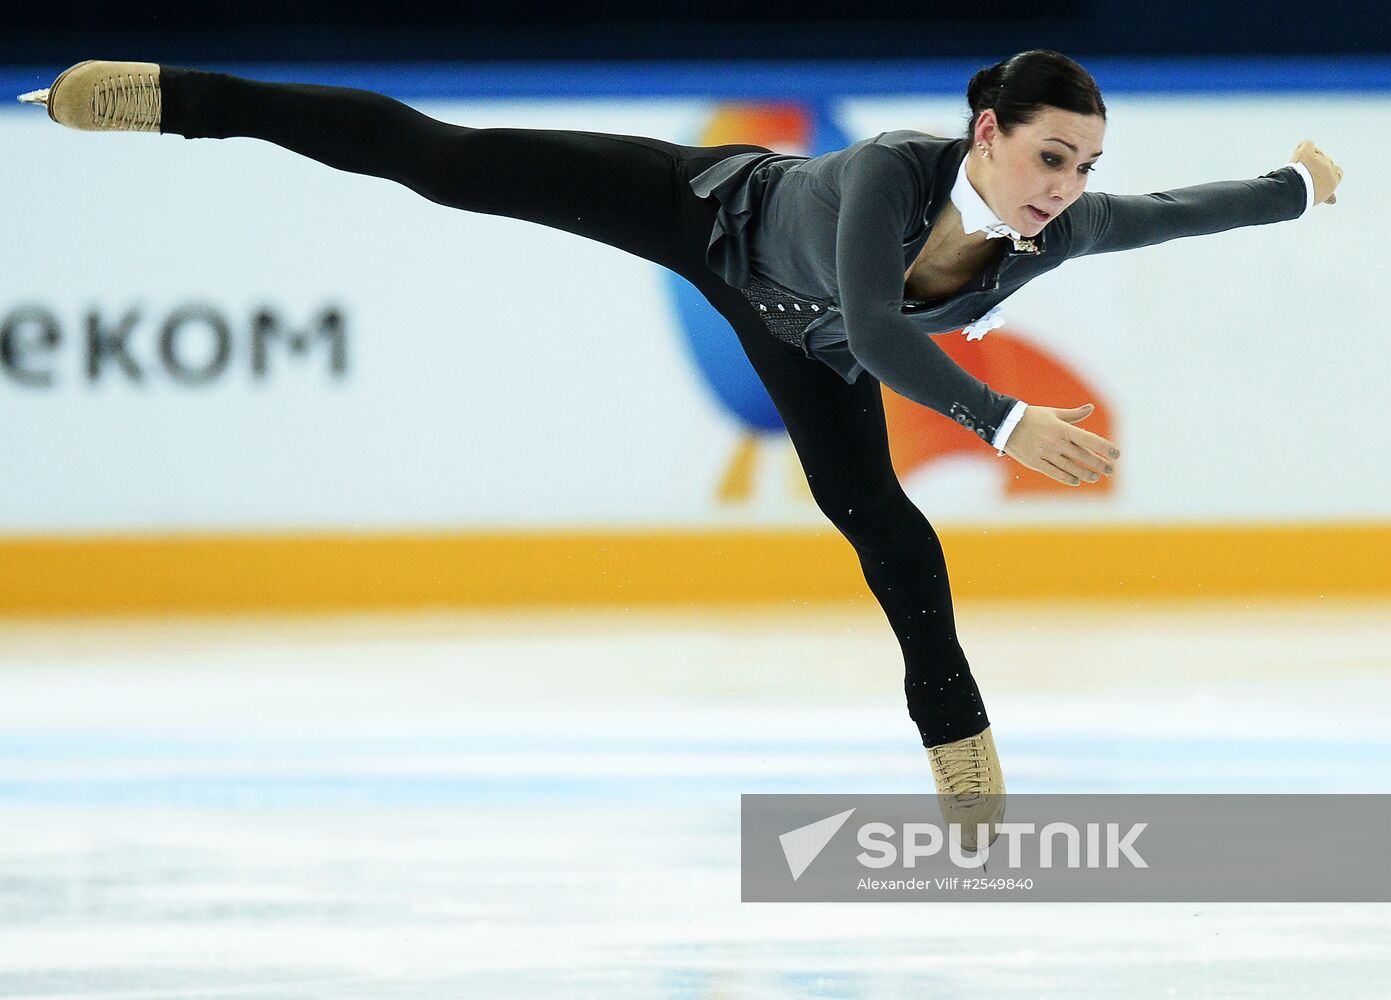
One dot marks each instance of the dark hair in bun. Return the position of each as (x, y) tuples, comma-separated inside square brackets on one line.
[(1019, 87)]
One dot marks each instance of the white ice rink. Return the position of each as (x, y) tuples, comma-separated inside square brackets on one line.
[(461, 805)]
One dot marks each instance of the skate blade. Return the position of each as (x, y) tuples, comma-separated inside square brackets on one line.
[(35, 97)]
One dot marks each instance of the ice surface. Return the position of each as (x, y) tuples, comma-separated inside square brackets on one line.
[(547, 804)]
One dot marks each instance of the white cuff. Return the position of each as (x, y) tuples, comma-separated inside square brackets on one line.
[(1011, 421), (1308, 184)]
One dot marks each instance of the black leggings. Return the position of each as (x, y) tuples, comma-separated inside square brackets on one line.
[(633, 193)]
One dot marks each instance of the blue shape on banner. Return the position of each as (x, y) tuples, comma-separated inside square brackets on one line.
[(803, 128)]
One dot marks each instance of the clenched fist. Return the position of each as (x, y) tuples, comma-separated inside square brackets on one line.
[(1324, 171)]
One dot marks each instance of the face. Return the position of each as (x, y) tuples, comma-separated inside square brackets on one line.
[(1033, 173)]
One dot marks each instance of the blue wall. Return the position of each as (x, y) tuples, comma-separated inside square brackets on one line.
[(336, 30), (761, 79)]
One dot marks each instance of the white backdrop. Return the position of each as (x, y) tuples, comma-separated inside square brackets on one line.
[(500, 375)]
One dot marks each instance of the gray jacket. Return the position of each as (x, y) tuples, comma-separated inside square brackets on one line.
[(842, 228)]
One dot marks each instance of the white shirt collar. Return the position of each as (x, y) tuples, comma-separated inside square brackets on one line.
[(976, 215)]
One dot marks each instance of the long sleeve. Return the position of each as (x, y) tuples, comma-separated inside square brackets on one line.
[(1105, 223), (877, 201)]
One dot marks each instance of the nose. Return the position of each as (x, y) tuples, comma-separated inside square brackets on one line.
[(1068, 191)]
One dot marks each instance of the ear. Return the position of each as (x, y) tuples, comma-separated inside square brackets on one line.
[(987, 127)]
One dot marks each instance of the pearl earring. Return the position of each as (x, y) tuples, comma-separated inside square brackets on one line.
[(983, 151)]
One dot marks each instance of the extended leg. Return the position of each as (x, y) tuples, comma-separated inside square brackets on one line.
[(625, 191)]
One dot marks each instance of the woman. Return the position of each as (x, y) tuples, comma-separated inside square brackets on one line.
[(832, 271)]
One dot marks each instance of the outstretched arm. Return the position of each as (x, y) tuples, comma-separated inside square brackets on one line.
[(1105, 223)]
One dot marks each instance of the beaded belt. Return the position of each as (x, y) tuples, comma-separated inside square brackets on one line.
[(786, 316)]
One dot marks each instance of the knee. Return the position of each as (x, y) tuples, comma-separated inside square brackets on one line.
[(868, 515), (448, 166)]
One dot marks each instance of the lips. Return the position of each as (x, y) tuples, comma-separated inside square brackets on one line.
[(1037, 215)]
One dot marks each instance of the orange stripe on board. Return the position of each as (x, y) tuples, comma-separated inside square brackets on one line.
[(345, 572)]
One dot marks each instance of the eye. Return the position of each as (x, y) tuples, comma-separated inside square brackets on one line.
[(1054, 160)]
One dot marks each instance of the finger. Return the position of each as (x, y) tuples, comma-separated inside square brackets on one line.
[(1074, 470), (1095, 442), (1085, 457), (1094, 464), (1053, 472)]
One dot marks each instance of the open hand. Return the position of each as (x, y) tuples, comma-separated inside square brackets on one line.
[(1046, 441), (1324, 171)]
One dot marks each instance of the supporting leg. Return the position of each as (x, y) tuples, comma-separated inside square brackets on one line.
[(842, 441)]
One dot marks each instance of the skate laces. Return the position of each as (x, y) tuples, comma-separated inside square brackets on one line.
[(961, 769), (130, 102)]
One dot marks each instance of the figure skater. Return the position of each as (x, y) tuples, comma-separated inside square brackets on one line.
[(833, 272)]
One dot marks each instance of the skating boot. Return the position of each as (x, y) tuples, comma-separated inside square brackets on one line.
[(970, 787), (101, 96)]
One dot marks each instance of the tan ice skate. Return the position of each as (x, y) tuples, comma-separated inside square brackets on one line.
[(101, 96), (970, 787)]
